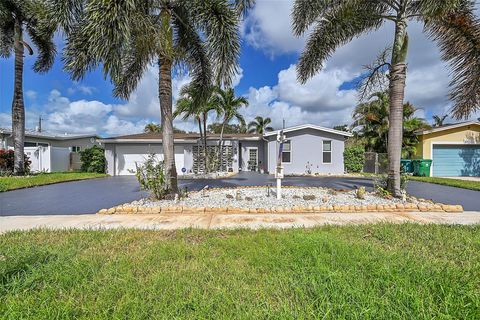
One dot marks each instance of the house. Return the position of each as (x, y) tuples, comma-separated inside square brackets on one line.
[(309, 148), (454, 149), (51, 152)]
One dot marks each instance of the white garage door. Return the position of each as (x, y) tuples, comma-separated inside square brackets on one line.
[(128, 155)]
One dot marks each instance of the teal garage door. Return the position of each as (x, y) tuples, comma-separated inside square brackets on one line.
[(456, 160)]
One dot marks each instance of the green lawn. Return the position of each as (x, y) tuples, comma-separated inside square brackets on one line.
[(363, 272), (472, 185), (11, 183)]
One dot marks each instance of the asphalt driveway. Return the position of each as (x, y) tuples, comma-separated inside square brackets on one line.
[(89, 196)]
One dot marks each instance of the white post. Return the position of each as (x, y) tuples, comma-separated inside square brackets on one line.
[(279, 170), (279, 188)]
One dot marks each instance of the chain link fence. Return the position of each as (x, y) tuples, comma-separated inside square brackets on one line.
[(375, 163)]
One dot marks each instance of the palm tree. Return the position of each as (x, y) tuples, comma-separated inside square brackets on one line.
[(152, 128), (439, 120), (452, 24), (126, 37), (260, 125), (189, 106), (371, 118), (17, 18), (228, 105)]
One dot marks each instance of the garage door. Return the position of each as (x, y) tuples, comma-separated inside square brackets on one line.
[(128, 155), (455, 160)]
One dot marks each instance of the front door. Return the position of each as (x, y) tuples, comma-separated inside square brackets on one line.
[(252, 164)]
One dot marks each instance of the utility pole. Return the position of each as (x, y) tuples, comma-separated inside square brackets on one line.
[(40, 123)]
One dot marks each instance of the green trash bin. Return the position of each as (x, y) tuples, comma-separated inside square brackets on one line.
[(406, 166), (421, 167)]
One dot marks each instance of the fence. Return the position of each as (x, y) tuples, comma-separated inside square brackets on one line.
[(375, 162)]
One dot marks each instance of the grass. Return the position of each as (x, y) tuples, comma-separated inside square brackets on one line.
[(358, 272), (12, 183), (465, 184)]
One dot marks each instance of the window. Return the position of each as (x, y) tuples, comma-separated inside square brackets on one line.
[(75, 149), (287, 152), (34, 144), (327, 151)]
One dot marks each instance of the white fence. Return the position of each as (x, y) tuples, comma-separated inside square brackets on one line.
[(48, 159)]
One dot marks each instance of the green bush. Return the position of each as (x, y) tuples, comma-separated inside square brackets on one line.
[(7, 161), (354, 159), (151, 176), (93, 160)]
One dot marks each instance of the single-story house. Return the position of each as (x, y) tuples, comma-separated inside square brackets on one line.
[(454, 149), (51, 152), (308, 148)]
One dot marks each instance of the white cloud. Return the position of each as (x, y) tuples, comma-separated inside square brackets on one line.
[(268, 27), (30, 94), (83, 89), (319, 101), (427, 77)]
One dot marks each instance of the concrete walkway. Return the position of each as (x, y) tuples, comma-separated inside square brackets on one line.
[(218, 221)]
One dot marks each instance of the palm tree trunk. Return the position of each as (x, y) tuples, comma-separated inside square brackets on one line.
[(220, 147), (199, 120), (205, 141), (18, 108), (165, 96), (398, 72)]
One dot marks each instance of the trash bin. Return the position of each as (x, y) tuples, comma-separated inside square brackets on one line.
[(406, 166), (421, 167)]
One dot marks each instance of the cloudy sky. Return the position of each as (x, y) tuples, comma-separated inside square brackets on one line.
[(267, 79)]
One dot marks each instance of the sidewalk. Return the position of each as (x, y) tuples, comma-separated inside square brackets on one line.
[(218, 221)]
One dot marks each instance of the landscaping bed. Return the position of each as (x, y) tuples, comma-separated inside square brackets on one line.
[(382, 271), (14, 182), (294, 199)]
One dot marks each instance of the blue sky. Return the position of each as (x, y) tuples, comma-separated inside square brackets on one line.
[(267, 79)]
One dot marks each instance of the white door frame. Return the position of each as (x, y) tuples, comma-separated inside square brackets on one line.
[(248, 156)]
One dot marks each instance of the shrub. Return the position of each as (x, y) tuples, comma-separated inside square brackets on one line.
[(354, 159), (380, 184), (151, 176), (7, 161), (93, 160)]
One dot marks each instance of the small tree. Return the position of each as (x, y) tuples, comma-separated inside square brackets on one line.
[(151, 176), (354, 159), (93, 160)]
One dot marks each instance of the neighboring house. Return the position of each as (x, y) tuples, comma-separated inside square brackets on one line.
[(309, 148), (51, 152), (454, 149)]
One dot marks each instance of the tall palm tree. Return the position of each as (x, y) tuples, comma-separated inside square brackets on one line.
[(260, 125), (17, 19), (451, 23), (439, 120), (228, 105), (125, 37)]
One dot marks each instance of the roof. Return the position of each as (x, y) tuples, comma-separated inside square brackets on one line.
[(178, 137), (447, 127), (309, 126), (50, 135)]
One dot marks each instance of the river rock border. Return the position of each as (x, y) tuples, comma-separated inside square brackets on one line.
[(407, 207)]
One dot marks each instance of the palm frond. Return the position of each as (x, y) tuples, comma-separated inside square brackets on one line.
[(336, 27), (219, 21), (458, 36), (307, 12)]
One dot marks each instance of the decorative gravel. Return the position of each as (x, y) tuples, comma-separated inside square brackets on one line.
[(258, 198)]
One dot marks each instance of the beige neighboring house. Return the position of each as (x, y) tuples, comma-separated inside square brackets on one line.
[(51, 152), (454, 149)]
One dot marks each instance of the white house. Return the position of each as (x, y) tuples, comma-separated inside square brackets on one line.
[(309, 148)]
